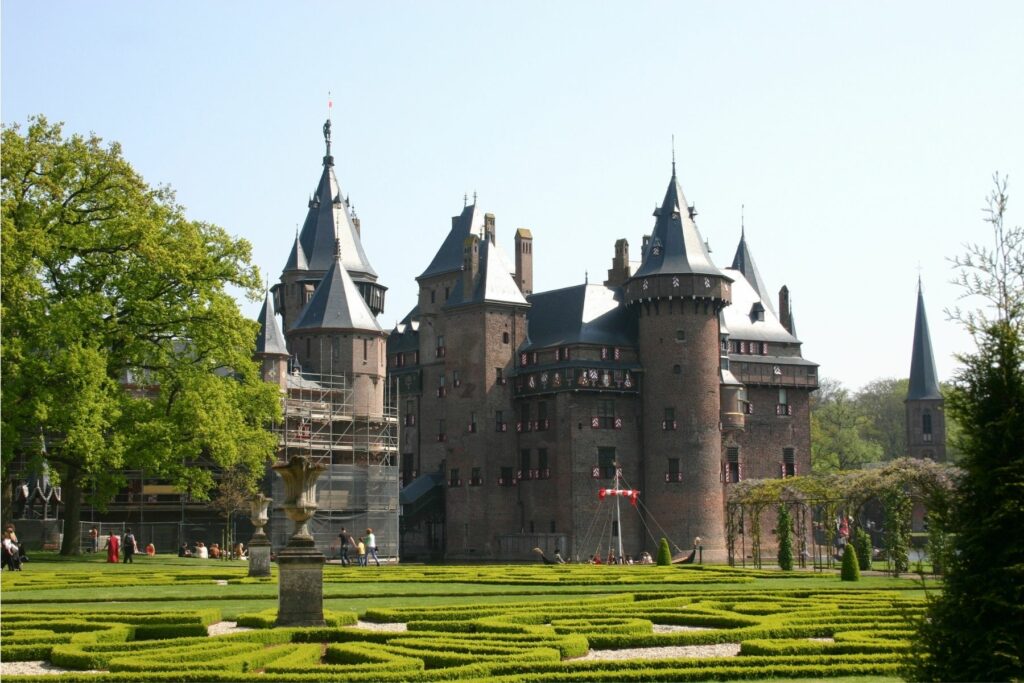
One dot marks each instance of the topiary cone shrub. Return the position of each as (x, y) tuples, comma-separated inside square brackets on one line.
[(664, 554), (864, 549), (851, 567), (785, 532)]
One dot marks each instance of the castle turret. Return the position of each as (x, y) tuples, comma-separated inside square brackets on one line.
[(925, 415), (677, 293), (271, 350)]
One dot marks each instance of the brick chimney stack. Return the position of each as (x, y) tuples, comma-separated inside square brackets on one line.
[(785, 315), (619, 272), (524, 261)]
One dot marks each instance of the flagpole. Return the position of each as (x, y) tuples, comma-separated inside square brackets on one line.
[(618, 515)]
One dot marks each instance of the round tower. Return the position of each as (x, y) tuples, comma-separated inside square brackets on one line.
[(677, 294)]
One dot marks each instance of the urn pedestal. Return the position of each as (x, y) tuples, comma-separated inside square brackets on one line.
[(259, 544), (300, 564)]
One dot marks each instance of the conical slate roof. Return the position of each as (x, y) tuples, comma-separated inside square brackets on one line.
[(675, 247), (297, 259), (924, 383), (448, 258), (328, 220), (337, 305), (743, 261), (494, 284), (270, 341)]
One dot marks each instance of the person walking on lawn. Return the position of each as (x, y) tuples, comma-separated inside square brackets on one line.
[(130, 546), (371, 547)]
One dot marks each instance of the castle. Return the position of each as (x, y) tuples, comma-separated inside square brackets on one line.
[(519, 410)]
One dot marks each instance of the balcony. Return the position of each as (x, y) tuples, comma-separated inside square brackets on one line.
[(733, 421)]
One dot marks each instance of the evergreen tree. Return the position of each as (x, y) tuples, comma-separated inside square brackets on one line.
[(664, 554), (864, 549), (851, 567), (785, 535), (974, 630)]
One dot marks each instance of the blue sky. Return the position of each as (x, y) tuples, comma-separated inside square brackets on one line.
[(861, 137)]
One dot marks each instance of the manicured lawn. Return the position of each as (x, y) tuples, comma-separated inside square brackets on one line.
[(512, 622)]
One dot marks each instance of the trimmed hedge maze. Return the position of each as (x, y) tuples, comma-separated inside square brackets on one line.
[(775, 631)]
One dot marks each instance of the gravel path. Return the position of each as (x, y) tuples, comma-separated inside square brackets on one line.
[(391, 628), (223, 627), (34, 669), (671, 628), (692, 651)]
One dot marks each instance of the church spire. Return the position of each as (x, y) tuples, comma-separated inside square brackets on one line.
[(924, 382), (270, 341)]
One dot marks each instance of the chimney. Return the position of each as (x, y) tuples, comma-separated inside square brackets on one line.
[(785, 315), (643, 247), (470, 265), (355, 224), (524, 261), (489, 227), (619, 272)]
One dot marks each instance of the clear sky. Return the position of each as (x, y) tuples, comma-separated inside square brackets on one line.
[(861, 137)]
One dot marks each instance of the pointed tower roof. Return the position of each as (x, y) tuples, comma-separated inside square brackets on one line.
[(270, 341), (448, 258), (924, 383), (336, 304), (495, 283), (675, 247), (297, 258), (743, 261), (328, 220)]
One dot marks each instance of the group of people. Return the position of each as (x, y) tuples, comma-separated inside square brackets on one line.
[(126, 546), (13, 553), (365, 548), (213, 552)]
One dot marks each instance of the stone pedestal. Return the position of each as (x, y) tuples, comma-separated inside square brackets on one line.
[(259, 544), (300, 564)]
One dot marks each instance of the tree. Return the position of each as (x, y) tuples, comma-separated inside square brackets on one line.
[(664, 553), (881, 402), (865, 550), (121, 346), (850, 570), (785, 533), (233, 495), (837, 435), (974, 630)]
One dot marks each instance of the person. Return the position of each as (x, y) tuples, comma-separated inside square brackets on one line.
[(597, 559), (558, 557), (344, 541), (113, 548), (238, 552), (214, 551), (184, 551), (11, 553), (130, 546), (371, 547), (150, 549), (202, 550), (94, 539), (611, 557), (361, 551)]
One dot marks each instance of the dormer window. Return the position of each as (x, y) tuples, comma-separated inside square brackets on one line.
[(757, 312)]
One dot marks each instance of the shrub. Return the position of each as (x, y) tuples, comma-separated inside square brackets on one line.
[(851, 567), (864, 549), (785, 532), (664, 554)]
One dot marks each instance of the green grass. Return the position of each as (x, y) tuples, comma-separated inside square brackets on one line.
[(509, 622)]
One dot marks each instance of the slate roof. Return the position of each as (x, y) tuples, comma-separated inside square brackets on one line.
[(582, 314), (924, 383), (448, 258), (328, 220), (738, 319), (676, 247), (743, 262), (297, 258), (494, 284), (337, 304), (270, 340)]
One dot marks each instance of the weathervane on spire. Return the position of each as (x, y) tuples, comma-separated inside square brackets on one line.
[(673, 154), (327, 123), (743, 227)]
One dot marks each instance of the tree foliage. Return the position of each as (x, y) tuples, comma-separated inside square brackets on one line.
[(838, 435), (664, 553), (974, 629), (850, 570), (785, 535), (121, 346)]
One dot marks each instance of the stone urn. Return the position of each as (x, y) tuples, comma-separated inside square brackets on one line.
[(299, 476), (300, 563), (259, 544)]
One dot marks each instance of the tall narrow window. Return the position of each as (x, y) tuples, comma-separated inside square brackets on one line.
[(732, 473), (542, 415), (788, 462), (606, 415), (366, 348), (926, 426), (783, 407), (606, 462), (673, 475), (441, 433), (542, 463), (524, 463)]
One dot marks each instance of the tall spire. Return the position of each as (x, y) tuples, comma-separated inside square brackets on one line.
[(743, 261), (924, 383), (270, 341)]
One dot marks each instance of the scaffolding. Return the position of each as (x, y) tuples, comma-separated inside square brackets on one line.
[(354, 435)]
